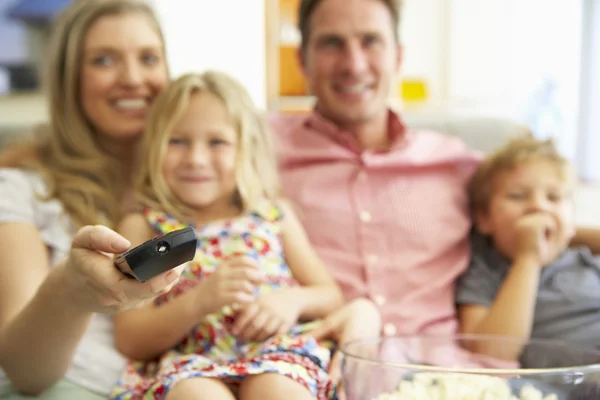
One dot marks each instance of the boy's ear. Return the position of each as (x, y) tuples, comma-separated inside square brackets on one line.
[(482, 222)]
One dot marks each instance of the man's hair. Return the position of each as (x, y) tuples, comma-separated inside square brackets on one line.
[(516, 152), (307, 8)]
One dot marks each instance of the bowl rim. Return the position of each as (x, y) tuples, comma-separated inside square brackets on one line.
[(576, 369)]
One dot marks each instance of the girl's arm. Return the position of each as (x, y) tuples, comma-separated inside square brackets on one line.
[(511, 313), (319, 295), (147, 332)]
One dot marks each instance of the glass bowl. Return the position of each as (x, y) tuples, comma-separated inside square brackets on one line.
[(469, 367)]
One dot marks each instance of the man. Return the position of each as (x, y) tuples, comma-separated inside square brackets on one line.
[(385, 206)]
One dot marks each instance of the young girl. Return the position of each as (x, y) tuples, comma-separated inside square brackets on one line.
[(233, 323)]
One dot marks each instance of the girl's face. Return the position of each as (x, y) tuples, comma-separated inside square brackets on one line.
[(200, 162), (123, 69)]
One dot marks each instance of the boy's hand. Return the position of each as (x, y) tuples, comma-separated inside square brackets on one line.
[(538, 238)]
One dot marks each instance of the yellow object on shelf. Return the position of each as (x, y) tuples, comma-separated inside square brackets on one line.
[(413, 90)]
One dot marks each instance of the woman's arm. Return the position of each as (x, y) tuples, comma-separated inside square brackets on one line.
[(319, 295), (45, 311), (40, 324)]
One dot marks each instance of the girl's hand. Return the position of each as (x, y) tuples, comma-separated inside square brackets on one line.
[(232, 284), (359, 319), (272, 313), (96, 283)]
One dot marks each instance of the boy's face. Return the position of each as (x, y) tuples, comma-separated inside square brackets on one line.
[(532, 187)]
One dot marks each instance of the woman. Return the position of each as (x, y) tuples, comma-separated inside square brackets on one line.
[(106, 64), (59, 284)]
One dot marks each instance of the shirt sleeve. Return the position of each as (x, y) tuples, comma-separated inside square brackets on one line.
[(17, 196), (480, 283)]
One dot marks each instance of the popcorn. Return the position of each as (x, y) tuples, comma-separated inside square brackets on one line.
[(456, 386)]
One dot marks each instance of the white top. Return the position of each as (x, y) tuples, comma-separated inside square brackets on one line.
[(97, 364)]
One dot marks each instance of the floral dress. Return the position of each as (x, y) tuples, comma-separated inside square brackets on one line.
[(209, 349)]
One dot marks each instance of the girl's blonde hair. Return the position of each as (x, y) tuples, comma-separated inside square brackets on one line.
[(256, 169), (86, 180), (516, 152)]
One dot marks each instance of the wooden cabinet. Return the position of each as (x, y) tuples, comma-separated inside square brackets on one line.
[(286, 86)]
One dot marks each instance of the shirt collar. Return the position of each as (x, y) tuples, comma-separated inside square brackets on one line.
[(398, 133)]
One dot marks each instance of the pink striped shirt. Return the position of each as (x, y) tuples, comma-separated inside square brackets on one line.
[(391, 226)]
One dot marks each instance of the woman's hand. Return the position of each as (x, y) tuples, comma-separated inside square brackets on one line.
[(270, 314), (359, 319), (96, 283)]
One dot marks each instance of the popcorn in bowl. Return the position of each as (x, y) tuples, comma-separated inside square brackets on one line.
[(459, 386)]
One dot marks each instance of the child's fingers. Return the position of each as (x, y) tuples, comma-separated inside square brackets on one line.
[(272, 327), (248, 274), (240, 298), (326, 329), (244, 319), (240, 285), (254, 329), (335, 367)]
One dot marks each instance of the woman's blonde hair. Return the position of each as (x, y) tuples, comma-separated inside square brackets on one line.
[(516, 152), (85, 179), (256, 169)]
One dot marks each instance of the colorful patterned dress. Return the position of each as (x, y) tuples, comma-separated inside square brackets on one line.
[(210, 350)]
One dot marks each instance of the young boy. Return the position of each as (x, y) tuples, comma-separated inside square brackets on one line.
[(523, 280)]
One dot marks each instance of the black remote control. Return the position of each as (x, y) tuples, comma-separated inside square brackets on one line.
[(159, 254)]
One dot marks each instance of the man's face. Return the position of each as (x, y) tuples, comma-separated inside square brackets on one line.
[(350, 59)]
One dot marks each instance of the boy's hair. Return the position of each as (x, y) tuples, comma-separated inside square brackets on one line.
[(307, 8), (515, 153), (256, 170)]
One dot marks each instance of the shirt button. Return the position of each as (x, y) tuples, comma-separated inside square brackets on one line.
[(389, 330), (379, 300), (365, 216)]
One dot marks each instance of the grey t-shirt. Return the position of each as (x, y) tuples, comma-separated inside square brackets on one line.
[(97, 364), (568, 298)]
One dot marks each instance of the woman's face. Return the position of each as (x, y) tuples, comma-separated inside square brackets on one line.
[(123, 68)]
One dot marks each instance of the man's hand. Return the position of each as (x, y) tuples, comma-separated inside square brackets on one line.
[(359, 319)]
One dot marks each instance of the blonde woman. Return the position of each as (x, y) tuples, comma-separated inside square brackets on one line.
[(106, 63), (235, 318)]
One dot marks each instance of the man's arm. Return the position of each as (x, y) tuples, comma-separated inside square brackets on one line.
[(588, 237)]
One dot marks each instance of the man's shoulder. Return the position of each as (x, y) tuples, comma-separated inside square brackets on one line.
[(441, 145), (285, 124), (434, 137)]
